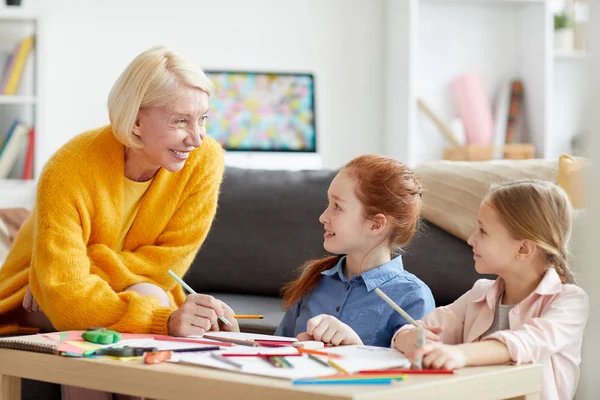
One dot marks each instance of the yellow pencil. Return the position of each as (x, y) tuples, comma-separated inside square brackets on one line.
[(241, 316), (337, 367)]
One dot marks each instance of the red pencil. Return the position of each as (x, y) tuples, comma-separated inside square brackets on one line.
[(407, 371), (187, 340), (274, 342), (260, 355)]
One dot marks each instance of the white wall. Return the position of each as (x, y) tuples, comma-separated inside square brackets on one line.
[(588, 386), (89, 42), (571, 98)]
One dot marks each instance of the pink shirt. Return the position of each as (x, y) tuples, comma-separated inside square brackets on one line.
[(545, 328)]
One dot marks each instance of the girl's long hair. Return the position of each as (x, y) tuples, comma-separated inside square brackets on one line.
[(383, 186), (539, 211)]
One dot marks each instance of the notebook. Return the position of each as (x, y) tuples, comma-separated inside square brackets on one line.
[(37, 343)]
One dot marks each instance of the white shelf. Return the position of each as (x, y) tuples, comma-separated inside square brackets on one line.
[(17, 193), (17, 99), (17, 14), (570, 54), (507, 2)]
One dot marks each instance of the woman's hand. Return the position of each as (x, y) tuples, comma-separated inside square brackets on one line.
[(29, 303), (229, 315), (441, 356), (198, 314), (406, 340), (329, 329)]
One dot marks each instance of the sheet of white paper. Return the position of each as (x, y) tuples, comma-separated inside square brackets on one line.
[(246, 336), (303, 367), (355, 358), (362, 358)]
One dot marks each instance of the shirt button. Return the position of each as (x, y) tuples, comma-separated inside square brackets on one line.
[(337, 309), (347, 287), (516, 311)]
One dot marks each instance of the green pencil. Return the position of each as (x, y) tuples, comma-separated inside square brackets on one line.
[(192, 291)]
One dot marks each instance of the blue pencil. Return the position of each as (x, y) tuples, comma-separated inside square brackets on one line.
[(192, 291), (385, 381)]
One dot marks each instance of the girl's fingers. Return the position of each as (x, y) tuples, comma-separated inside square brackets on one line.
[(313, 323), (337, 338), (432, 336), (304, 336), (329, 334), (320, 330)]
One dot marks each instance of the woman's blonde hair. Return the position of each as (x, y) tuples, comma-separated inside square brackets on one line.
[(153, 78), (539, 211)]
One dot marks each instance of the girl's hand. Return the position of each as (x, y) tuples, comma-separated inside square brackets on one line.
[(440, 356), (329, 329), (406, 340)]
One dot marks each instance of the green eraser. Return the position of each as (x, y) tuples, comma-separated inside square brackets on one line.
[(101, 336)]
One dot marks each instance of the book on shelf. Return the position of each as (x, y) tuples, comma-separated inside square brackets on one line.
[(13, 146), (13, 71)]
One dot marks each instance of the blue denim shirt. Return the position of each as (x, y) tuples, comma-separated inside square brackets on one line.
[(355, 303)]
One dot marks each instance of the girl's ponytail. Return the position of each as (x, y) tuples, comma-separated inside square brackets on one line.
[(306, 283)]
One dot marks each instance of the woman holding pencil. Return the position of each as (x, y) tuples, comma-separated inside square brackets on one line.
[(117, 207)]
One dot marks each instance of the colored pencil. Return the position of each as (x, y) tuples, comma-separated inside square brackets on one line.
[(272, 361), (396, 307), (241, 316), (318, 353), (345, 382), (317, 359), (396, 377), (234, 341), (337, 367), (273, 342), (260, 355), (190, 340), (285, 362), (225, 360), (192, 291), (408, 371)]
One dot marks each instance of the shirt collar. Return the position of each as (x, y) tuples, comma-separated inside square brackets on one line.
[(550, 284), (372, 278)]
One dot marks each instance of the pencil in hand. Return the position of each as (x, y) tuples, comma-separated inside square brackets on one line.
[(396, 307), (192, 291)]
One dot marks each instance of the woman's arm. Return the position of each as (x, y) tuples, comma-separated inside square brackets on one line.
[(61, 277)]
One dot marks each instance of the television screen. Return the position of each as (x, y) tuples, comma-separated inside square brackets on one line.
[(260, 111)]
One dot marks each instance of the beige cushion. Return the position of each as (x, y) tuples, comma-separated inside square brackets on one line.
[(4, 242), (570, 178), (453, 191)]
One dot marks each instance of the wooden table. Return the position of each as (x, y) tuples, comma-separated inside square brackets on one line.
[(172, 381)]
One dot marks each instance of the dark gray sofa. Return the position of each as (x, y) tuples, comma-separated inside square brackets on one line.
[(267, 226)]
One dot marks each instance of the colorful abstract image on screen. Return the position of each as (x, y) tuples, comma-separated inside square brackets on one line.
[(253, 111)]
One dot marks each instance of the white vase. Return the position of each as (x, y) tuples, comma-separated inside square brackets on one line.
[(564, 39)]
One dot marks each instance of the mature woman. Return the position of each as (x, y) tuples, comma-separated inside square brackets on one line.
[(119, 206)]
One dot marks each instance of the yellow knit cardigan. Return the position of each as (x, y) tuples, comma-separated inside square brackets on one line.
[(66, 251)]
